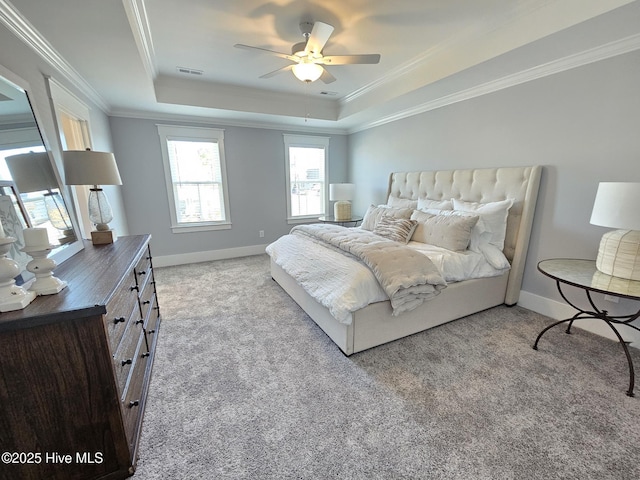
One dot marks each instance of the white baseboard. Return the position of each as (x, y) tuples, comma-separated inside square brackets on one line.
[(558, 310), (207, 256)]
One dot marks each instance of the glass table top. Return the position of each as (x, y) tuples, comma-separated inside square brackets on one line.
[(584, 274)]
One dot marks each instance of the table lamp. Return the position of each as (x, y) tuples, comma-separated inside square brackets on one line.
[(87, 167), (616, 206), (32, 172), (342, 194)]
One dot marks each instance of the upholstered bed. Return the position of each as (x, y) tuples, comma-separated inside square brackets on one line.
[(375, 323)]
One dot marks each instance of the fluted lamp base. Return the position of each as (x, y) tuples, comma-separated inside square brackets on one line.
[(342, 210), (619, 254)]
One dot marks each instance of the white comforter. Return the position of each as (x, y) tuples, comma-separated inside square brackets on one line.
[(343, 285)]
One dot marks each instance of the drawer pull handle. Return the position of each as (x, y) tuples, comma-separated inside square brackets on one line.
[(118, 320), (134, 403), (135, 287), (146, 302), (145, 354), (128, 361), (142, 272), (151, 332), (138, 322)]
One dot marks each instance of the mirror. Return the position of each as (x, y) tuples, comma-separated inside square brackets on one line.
[(30, 194)]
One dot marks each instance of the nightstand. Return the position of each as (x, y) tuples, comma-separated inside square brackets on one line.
[(584, 274), (353, 220)]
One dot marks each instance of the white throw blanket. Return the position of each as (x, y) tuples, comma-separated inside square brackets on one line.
[(407, 277)]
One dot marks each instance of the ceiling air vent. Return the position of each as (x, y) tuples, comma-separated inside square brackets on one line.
[(189, 71), (330, 94)]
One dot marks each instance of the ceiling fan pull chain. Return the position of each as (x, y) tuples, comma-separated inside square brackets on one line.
[(306, 101)]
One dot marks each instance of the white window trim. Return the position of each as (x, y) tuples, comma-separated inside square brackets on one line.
[(311, 141), (168, 132)]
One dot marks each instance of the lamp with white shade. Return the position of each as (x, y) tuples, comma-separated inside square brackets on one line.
[(32, 172), (87, 167), (617, 206), (342, 194)]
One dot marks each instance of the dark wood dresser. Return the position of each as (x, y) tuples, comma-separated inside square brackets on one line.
[(75, 368)]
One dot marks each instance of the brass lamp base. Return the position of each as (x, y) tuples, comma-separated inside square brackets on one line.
[(103, 237)]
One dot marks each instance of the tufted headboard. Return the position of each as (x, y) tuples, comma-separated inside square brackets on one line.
[(483, 185)]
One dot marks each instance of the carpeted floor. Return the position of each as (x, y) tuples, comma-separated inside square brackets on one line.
[(246, 386)]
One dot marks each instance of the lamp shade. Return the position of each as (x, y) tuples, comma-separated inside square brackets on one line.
[(32, 172), (616, 205), (341, 191), (86, 167)]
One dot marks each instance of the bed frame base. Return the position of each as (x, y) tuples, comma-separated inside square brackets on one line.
[(373, 325)]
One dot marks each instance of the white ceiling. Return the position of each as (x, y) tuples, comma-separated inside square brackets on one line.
[(124, 54)]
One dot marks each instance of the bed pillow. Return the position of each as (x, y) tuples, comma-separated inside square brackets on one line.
[(494, 256), (425, 203), (373, 214), (494, 215), (397, 229), (445, 230), (398, 202)]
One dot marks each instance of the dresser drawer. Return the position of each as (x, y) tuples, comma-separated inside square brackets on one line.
[(147, 295), (152, 324), (119, 310), (135, 396), (142, 270), (125, 357)]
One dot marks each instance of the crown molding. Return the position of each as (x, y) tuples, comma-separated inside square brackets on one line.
[(139, 23), (510, 20), (11, 18), (602, 52), (521, 9), (303, 126)]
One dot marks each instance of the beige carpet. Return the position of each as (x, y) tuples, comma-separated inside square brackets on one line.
[(246, 386)]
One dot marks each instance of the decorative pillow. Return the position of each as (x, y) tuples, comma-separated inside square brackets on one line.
[(397, 229), (424, 203), (398, 202), (494, 215), (480, 235), (452, 232), (374, 213)]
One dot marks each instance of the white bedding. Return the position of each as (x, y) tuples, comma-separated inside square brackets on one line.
[(343, 285)]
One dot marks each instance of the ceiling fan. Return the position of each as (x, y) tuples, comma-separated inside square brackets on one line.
[(307, 56)]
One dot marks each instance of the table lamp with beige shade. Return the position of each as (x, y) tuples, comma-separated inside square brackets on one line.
[(88, 167)]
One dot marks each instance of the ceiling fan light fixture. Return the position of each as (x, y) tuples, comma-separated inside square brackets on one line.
[(307, 72)]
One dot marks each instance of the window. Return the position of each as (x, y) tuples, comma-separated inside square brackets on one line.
[(306, 170), (196, 178)]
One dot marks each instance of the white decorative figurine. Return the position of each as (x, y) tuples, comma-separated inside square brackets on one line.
[(12, 296), (36, 244)]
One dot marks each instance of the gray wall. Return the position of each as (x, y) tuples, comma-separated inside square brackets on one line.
[(582, 125), (256, 175)]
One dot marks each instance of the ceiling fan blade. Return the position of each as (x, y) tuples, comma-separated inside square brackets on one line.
[(326, 77), (350, 59), (293, 58), (276, 72), (319, 36)]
